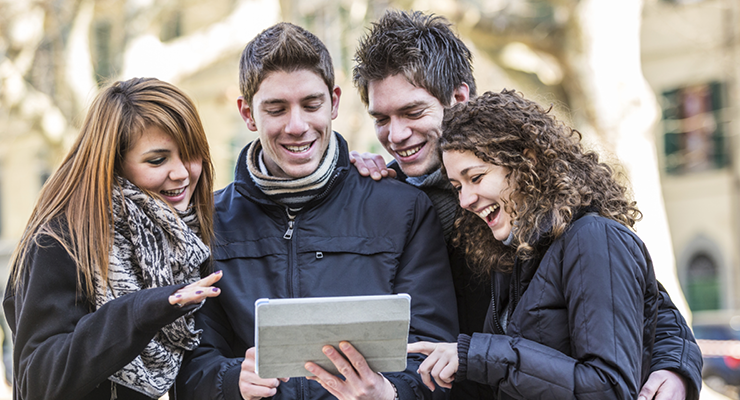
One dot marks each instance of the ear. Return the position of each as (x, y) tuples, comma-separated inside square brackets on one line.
[(246, 112), (335, 95), (461, 94)]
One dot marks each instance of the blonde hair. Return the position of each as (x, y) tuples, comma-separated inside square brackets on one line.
[(77, 197)]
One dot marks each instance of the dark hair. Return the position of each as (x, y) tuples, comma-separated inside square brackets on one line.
[(551, 175), (282, 47), (421, 47)]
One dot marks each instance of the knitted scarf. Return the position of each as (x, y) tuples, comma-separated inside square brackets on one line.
[(293, 193), (152, 247), (443, 197)]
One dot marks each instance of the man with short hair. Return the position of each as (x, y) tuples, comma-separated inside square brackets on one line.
[(299, 221), (409, 68)]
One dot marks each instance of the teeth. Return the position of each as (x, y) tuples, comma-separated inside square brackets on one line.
[(173, 193), (409, 152), (488, 210), (298, 149)]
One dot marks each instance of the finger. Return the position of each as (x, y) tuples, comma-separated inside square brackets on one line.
[(437, 373), (343, 366), (210, 279), (648, 391), (329, 382), (425, 348), (425, 370), (358, 360)]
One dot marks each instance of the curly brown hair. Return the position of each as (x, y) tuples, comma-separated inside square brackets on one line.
[(552, 176)]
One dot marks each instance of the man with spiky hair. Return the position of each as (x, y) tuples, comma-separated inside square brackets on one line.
[(299, 221), (410, 67)]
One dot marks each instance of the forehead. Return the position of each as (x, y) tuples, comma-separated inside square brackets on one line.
[(286, 86), (394, 92)]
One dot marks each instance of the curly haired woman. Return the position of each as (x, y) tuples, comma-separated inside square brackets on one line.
[(574, 303)]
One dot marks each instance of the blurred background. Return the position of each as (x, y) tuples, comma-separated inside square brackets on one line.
[(652, 85)]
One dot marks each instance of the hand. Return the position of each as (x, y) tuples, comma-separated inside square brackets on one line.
[(360, 382), (251, 385), (197, 291), (369, 164), (441, 362), (664, 385)]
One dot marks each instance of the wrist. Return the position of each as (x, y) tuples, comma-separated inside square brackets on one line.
[(393, 392)]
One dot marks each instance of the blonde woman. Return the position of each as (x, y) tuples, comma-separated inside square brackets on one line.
[(107, 274)]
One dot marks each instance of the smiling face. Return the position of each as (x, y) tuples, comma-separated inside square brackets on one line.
[(292, 113), (153, 163), (482, 189), (408, 122)]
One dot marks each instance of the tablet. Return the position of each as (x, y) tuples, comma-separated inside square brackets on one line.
[(290, 332)]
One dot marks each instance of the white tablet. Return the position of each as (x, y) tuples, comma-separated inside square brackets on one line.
[(290, 332)]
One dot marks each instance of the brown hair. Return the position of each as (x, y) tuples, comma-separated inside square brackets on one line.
[(551, 175), (421, 47), (282, 47), (80, 191)]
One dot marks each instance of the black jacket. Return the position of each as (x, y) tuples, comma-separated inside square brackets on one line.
[(581, 319), (675, 348), (64, 350), (363, 237)]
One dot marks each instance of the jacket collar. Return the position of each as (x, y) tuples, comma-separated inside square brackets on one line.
[(247, 188)]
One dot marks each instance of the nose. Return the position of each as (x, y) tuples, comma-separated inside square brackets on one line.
[(398, 131), (297, 124), (178, 172), (468, 198)]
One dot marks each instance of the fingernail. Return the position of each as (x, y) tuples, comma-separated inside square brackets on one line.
[(219, 272), (199, 292), (328, 350), (178, 295), (215, 289), (344, 346)]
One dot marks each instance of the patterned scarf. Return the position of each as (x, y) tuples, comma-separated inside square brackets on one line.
[(293, 193), (152, 247)]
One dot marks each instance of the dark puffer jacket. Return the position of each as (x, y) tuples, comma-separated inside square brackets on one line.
[(363, 237), (581, 322)]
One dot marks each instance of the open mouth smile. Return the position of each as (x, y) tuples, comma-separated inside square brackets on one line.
[(409, 152), (298, 149), (173, 192), (489, 213)]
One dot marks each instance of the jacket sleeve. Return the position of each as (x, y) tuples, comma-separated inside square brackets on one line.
[(61, 348), (604, 279), (424, 273), (675, 347), (211, 371)]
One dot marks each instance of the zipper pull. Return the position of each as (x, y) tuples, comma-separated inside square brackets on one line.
[(289, 233)]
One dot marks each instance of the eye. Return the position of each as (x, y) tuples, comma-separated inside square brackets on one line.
[(274, 111), (313, 106), (156, 161), (381, 121), (476, 178), (457, 188), (415, 114)]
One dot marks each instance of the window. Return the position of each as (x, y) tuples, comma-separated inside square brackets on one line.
[(702, 284), (694, 129)]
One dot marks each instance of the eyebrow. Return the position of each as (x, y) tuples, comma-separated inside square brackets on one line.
[(465, 171), (156, 151), (314, 96), (409, 106)]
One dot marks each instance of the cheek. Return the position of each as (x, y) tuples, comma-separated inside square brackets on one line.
[(196, 168)]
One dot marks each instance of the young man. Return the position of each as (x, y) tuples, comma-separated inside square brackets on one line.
[(409, 67), (299, 221)]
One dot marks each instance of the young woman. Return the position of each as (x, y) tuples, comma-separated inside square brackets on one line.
[(106, 276), (574, 302)]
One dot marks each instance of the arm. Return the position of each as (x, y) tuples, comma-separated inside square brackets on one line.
[(63, 349), (677, 361), (609, 292)]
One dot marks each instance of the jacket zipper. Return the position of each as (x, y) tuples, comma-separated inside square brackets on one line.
[(496, 324), (291, 257)]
